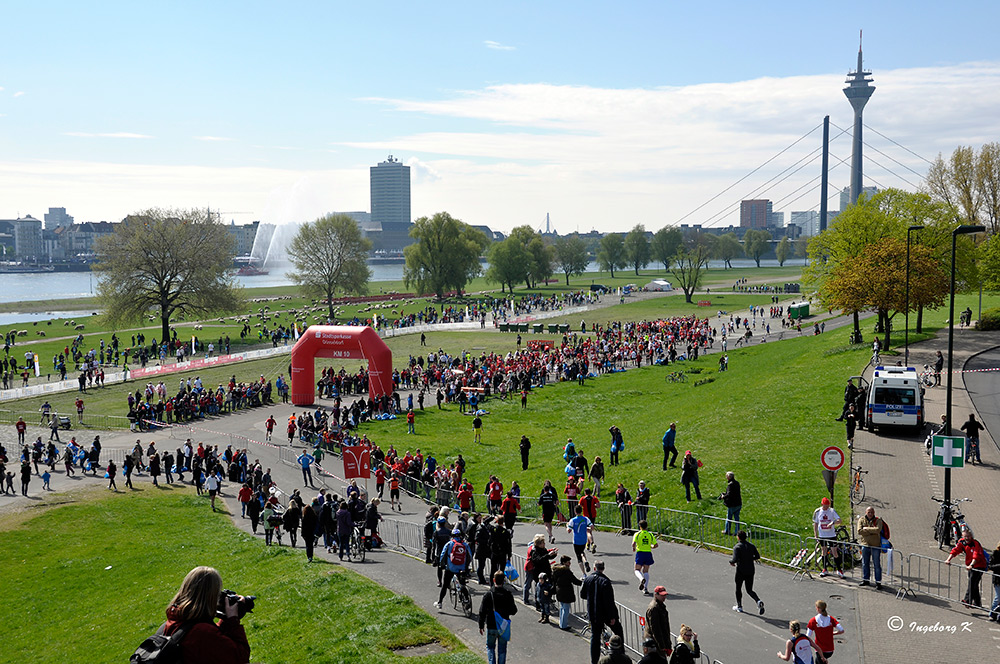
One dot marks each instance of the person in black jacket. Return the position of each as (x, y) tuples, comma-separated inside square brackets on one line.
[(994, 567), (732, 498), (601, 608), (483, 550), (290, 520), (745, 555), (501, 546), (499, 599), (309, 522), (525, 448), (564, 579)]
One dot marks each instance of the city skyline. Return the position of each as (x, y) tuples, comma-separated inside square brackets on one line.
[(502, 115)]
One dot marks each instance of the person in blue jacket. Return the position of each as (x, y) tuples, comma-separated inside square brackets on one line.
[(454, 558), (669, 446)]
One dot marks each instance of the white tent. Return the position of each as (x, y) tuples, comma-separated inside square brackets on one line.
[(659, 285)]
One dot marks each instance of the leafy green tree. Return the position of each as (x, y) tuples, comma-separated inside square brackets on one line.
[(611, 255), (727, 247), (756, 243), (445, 255), (665, 244), (538, 255), (172, 262), (508, 263), (782, 250), (637, 250), (330, 256), (571, 255)]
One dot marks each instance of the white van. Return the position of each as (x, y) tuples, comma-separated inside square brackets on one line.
[(895, 398)]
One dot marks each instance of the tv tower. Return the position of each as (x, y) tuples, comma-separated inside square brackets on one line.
[(858, 91)]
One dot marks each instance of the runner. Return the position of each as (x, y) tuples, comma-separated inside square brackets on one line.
[(590, 504), (394, 502), (643, 543), (822, 628), (269, 426), (580, 526)]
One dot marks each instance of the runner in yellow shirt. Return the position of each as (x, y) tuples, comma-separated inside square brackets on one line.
[(643, 544)]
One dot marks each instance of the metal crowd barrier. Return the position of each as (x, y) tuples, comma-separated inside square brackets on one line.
[(409, 537)]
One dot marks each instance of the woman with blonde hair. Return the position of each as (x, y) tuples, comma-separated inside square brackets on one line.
[(193, 608), (687, 650), (798, 649)]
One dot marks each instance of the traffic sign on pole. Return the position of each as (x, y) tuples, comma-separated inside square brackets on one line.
[(948, 451), (832, 458)]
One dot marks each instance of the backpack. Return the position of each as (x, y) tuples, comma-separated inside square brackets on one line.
[(458, 554), (885, 529), (160, 649)]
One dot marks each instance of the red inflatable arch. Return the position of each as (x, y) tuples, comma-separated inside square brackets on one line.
[(341, 342)]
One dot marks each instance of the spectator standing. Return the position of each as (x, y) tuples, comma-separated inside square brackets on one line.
[(745, 556), (642, 500), (670, 446), (689, 475), (624, 500), (601, 608), (310, 519), (870, 532), (597, 475), (975, 562), (616, 652), (825, 522), (938, 366), (306, 461), (732, 498), (822, 628), (563, 579), (525, 447), (687, 651), (497, 602), (994, 568), (658, 624), (851, 423)]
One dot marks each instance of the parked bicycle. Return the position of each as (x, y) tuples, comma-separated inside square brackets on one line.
[(950, 521), (676, 377), (849, 546), (927, 376), (857, 484)]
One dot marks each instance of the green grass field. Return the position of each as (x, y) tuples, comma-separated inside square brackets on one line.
[(88, 580)]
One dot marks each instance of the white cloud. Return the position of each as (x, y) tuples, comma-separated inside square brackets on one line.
[(497, 46), (19, 93), (213, 138), (115, 134)]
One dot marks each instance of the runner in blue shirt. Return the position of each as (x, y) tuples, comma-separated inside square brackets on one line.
[(580, 526)]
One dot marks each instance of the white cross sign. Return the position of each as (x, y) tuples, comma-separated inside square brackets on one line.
[(948, 451)]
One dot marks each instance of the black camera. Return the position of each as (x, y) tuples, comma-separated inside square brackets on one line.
[(227, 598)]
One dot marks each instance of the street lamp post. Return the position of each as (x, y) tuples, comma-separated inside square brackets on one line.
[(961, 230), (906, 332)]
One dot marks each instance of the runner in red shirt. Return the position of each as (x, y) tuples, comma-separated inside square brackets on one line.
[(589, 504), (21, 427), (269, 425), (380, 481), (822, 627), (79, 410), (394, 502)]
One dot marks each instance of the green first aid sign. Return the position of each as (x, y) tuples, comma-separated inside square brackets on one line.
[(948, 451)]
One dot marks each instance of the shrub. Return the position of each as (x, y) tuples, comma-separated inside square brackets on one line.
[(990, 320)]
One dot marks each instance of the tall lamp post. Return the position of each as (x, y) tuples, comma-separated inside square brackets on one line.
[(906, 332), (961, 230)]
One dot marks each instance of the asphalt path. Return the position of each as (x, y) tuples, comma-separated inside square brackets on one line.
[(984, 390)]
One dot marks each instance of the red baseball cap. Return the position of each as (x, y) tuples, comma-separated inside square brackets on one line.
[(825, 501), (659, 590)]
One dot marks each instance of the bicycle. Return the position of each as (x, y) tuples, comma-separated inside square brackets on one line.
[(876, 359), (857, 484), (950, 521), (927, 376), (460, 595), (358, 544), (849, 546), (676, 377)]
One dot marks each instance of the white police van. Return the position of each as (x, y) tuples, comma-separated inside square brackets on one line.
[(895, 398)]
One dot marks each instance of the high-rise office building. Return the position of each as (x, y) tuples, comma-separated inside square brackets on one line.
[(390, 192), (845, 195), (56, 218), (755, 213)]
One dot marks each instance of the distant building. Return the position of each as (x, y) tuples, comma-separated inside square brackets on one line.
[(78, 241), (776, 220), (390, 192), (28, 243), (807, 221), (243, 236), (57, 218), (755, 213), (845, 196)]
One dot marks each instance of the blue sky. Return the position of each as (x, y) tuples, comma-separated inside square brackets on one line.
[(602, 115)]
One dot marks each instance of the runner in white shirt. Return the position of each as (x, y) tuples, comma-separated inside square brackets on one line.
[(825, 522), (212, 484)]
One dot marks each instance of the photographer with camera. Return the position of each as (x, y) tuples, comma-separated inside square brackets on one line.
[(194, 609)]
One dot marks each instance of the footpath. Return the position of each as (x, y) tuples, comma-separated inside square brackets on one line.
[(900, 482)]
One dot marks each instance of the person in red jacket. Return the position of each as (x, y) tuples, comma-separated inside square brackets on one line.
[(206, 641), (975, 562), (509, 508)]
